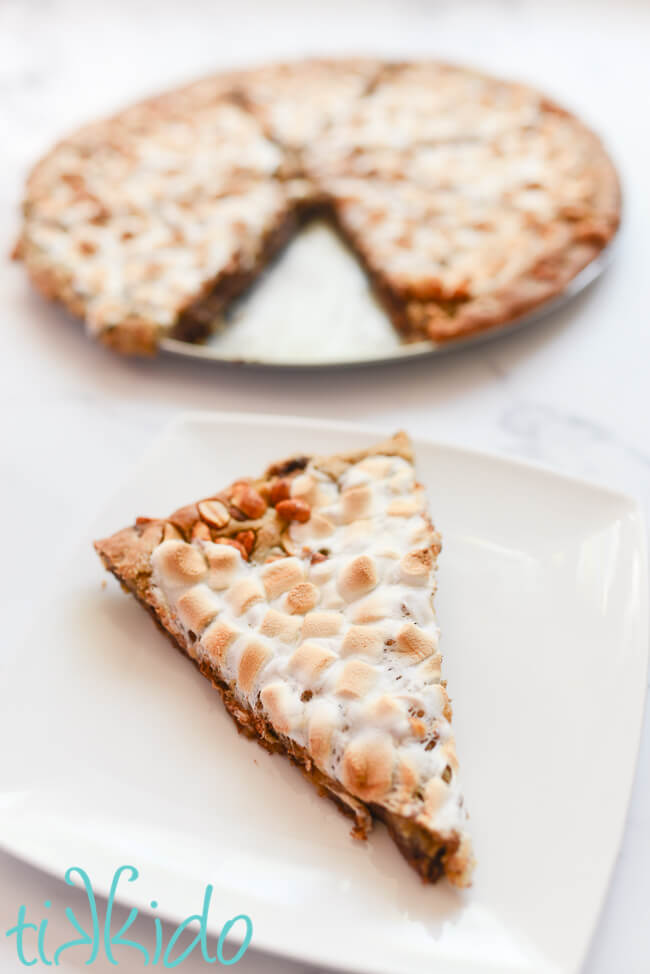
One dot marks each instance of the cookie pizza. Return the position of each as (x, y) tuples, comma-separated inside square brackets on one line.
[(467, 199)]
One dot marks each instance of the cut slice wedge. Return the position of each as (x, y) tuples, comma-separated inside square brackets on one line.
[(305, 596)]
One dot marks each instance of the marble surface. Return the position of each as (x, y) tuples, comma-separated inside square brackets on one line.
[(571, 392)]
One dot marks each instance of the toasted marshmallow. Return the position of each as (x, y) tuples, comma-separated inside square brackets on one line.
[(217, 638), (405, 506), (356, 679), (414, 642), (420, 533), (320, 526), (197, 607), (320, 625), (372, 609), (179, 563), (305, 488), (223, 563), (384, 711), (436, 793), (322, 724), (415, 567), (406, 779), (401, 482), (277, 701), (321, 572), (279, 625), (331, 600), (363, 641), (367, 766), (428, 671), (358, 578), (356, 503), (376, 467), (254, 657), (448, 749), (282, 575), (310, 661), (243, 594), (302, 598), (418, 728), (438, 701), (357, 533)]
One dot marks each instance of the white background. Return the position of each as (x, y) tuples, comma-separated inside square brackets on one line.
[(572, 392)]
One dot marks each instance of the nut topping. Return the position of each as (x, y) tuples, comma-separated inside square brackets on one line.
[(249, 501), (214, 513), (235, 544), (280, 491), (200, 532), (294, 510), (170, 533), (247, 539)]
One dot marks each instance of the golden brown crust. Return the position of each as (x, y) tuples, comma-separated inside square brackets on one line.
[(278, 169)]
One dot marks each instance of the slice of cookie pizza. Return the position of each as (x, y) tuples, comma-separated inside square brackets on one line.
[(305, 596)]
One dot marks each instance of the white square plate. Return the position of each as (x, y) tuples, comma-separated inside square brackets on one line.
[(126, 755)]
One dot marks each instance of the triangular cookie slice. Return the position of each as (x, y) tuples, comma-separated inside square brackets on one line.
[(306, 598)]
